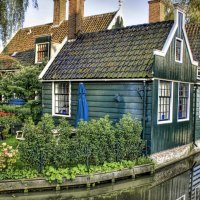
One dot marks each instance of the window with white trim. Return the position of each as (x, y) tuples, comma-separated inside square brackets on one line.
[(179, 50), (183, 101), (42, 52), (61, 98), (181, 198), (164, 101)]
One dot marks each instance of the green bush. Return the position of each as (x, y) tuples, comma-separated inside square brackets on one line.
[(37, 149), (41, 147), (7, 121), (128, 137), (95, 142), (30, 109), (61, 157)]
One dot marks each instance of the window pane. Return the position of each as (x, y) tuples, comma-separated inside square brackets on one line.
[(164, 101), (183, 101), (42, 52), (178, 50), (61, 92)]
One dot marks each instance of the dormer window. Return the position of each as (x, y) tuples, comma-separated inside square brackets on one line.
[(42, 48), (42, 52), (179, 50)]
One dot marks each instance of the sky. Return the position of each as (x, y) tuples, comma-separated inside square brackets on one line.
[(135, 11)]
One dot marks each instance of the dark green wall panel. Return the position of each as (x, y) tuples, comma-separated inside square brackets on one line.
[(167, 68)]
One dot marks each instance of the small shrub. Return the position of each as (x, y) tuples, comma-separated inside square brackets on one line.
[(41, 148), (61, 156), (128, 136), (37, 149), (31, 109), (144, 160), (95, 141), (8, 156), (7, 121), (18, 174)]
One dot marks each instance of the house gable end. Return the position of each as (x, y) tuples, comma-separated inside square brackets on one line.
[(174, 33), (175, 61)]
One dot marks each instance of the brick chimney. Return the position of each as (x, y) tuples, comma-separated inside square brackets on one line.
[(156, 11), (59, 12), (75, 19)]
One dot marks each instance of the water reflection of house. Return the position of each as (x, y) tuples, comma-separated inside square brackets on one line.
[(147, 70), (195, 183)]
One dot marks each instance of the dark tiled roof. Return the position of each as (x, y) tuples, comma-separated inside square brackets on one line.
[(26, 56), (193, 32), (7, 62), (24, 39), (119, 53)]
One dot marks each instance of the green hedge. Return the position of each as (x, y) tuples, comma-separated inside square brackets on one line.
[(31, 109), (95, 142)]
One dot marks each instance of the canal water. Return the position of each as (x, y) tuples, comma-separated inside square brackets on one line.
[(179, 181)]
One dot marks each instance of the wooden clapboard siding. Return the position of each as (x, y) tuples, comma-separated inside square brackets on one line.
[(100, 97), (47, 97), (167, 68), (148, 120), (167, 136)]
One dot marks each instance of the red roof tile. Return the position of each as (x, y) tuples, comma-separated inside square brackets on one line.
[(193, 32), (25, 38)]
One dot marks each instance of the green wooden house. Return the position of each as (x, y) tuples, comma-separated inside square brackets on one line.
[(147, 70)]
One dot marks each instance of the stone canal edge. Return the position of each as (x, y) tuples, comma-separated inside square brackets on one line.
[(26, 185)]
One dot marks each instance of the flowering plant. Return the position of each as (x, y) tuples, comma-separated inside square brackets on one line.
[(8, 156), (2, 114)]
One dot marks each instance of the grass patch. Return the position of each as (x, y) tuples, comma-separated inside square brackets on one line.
[(10, 141)]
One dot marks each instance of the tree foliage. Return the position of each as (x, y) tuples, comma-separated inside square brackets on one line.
[(119, 23), (192, 8), (23, 83), (12, 14)]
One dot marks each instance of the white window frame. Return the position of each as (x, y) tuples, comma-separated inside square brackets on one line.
[(188, 106), (171, 103), (198, 186), (181, 60), (180, 198), (53, 100), (36, 51)]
